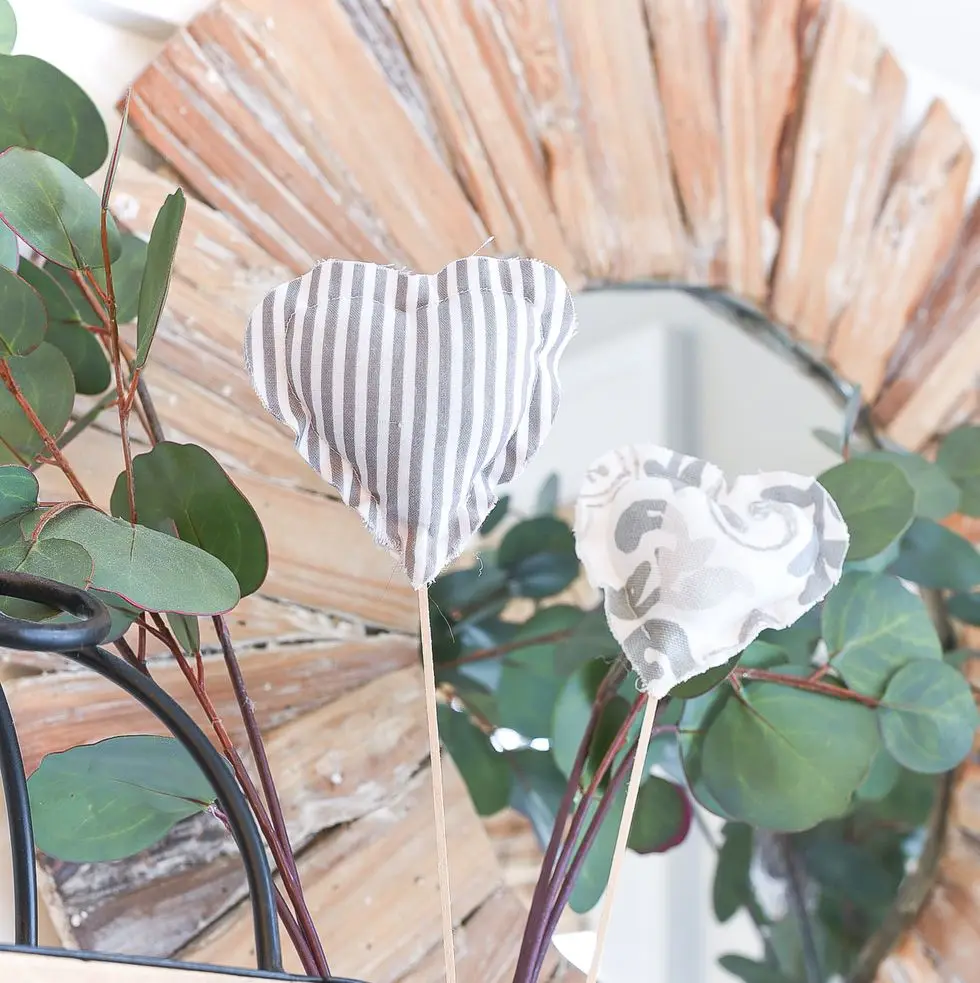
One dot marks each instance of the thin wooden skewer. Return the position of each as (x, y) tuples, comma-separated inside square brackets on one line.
[(438, 794), (619, 853)]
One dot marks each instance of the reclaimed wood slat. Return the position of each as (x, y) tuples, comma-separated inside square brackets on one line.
[(373, 888), (609, 53), (852, 110), (913, 238)]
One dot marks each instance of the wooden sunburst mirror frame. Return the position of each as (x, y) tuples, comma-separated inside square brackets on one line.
[(759, 148)]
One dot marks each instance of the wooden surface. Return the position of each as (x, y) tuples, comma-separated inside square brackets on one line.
[(762, 147)]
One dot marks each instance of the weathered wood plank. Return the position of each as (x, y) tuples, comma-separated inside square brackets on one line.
[(844, 147), (609, 54), (913, 237), (55, 711), (373, 890)]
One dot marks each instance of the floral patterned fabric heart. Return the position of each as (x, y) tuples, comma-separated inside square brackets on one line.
[(692, 568), (415, 396)]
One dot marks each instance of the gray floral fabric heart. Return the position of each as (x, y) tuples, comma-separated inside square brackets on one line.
[(692, 568), (415, 396)]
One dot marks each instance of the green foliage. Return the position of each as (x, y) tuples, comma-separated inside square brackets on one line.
[(732, 889), (159, 261), (55, 559), (936, 494), (539, 557), (959, 457), (935, 557), (18, 491), (876, 500), (110, 800), (485, 772), (24, 321), (9, 251), (42, 109), (497, 515), (46, 383), (53, 210), (182, 486), (8, 28), (751, 971)]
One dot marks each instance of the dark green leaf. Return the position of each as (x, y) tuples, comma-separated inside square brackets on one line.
[(497, 515), (62, 298), (590, 639), (964, 607), (572, 711), (18, 491), (849, 872), (536, 790), (765, 655), (49, 388), (113, 799), (707, 680), (958, 658), (187, 632), (53, 210), (909, 802), (783, 758), (148, 569), (539, 557), (697, 720), (936, 495), (87, 358), (483, 768), (55, 559), (121, 615), (547, 500), (959, 457), (468, 589), (876, 500), (927, 717), (798, 641), (662, 819), (732, 888), (42, 109), (872, 626), (22, 316), (156, 275), (852, 410), (184, 485), (127, 277), (935, 557), (9, 250), (594, 874), (751, 971), (8, 28), (881, 779)]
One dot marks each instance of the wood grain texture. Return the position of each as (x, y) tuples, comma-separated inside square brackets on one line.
[(913, 236)]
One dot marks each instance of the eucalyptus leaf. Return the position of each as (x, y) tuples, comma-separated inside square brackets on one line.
[(927, 717), (798, 641), (9, 250), (89, 363), (662, 818), (111, 800), (876, 500), (572, 710), (936, 494), (537, 788), (750, 971), (23, 319), (187, 632), (158, 268), (884, 774), (184, 485), (55, 559), (460, 590), (852, 411), (18, 491), (849, 872), (732, 888), (873, 626), (42, 109), (46, 382), (964, 607), (127, 276), (539, 557), (705, 681), (484, 769), (786, 759), (935, 557), (8, 27), (547, 500), (62, 298), (959, 457), (146, 568), (696, 722), (590, 639), (53, 210), (594, 874), (497, 515)]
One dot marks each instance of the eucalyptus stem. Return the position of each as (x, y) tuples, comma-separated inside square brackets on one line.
[(478, 655), (86, 420), (795, 883), (810, 685)]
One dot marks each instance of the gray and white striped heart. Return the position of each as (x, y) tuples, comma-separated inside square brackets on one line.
[(415, 396)]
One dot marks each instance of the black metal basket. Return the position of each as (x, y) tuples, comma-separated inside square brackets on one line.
[(79, 641)]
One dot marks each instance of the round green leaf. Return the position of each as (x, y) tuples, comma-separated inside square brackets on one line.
[(662, 819), (57, 290), (548, 495), (484, 769), (707, 680), (572, 710), (786, 759), (537, 789), (148, 569), (22, 316), (8, 28), (696, 721), (876, 500), (87, 358), (936, 494), (935, 557), (42, 109), (53, 210), (469, 589), (732, 888), (113, 799), (9, 250), (884, 774), (872, 626), (18, 491), (539, 557), (55, 559), (497, 515), (184, 485), (590, 639), (959, 457), (127, 276), (594, 874), (964, 607), (46, 382), (158, 266), (928, 716)]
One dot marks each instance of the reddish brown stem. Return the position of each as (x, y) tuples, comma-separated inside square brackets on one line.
[(811, 686), (50, 442), (490, 653)]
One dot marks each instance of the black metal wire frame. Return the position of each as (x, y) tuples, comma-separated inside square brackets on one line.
[(79, 641)]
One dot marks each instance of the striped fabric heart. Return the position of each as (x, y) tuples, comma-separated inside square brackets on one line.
[(415, 396)]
